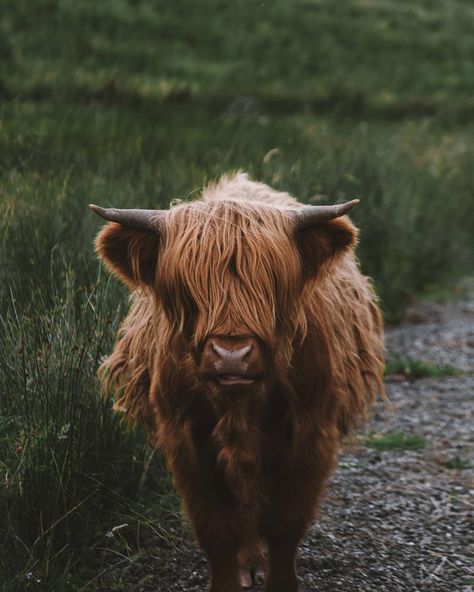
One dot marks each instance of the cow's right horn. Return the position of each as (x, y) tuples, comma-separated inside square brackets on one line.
[(145, 219)]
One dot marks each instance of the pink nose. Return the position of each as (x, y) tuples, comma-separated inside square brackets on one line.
[(224, 355), (231, 358)]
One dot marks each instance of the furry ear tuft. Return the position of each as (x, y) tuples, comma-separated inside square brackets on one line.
[(322, 245), (130, 253)]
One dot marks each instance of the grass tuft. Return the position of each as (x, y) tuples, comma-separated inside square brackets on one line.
[(413, 369), (396, 440), (457, 463)]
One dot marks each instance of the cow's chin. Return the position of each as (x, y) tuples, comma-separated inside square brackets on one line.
[(236, 397)]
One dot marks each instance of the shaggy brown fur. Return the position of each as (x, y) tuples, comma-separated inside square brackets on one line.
[(251, 466)]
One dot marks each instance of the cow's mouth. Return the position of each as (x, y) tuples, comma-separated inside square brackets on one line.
[(234, 379)]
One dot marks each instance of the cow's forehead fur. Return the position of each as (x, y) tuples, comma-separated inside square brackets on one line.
[(234, 262)]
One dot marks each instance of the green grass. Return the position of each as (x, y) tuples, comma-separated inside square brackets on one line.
[(367, 55), (58, 157), (69, 472), (396, 440), (416, 369), (135, 103), (458, 463)]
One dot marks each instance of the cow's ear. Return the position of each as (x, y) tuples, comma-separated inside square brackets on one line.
[(321, 245), (130, 253)]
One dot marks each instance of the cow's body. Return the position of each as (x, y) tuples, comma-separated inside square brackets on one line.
[(250, 451)]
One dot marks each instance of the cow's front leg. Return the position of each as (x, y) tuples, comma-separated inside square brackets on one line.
[(282, 565), (219, 531), (223, 568), (218, 536), (290, 513)]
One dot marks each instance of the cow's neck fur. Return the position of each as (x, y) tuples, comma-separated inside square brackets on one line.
[(238, 439)]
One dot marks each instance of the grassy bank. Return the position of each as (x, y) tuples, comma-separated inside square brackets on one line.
[(134, 104)]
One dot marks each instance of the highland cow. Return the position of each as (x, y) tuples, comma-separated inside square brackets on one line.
[(252, 345)]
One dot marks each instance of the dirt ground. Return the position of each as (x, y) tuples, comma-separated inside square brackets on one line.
[(394, 520)]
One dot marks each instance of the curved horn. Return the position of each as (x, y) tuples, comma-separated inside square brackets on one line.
[(136, 218), (308, 216)]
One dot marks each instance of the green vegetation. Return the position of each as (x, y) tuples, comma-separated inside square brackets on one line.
[(134, 103), (458, 463), (416, 369), (69, 471), (396, 440), (366, 55)]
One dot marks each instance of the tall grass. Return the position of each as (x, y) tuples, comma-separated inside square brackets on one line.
[(415, 181), (69, 471)]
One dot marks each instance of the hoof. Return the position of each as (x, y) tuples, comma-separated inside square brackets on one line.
[(252, 561), (259, 577), (245, 579), (251, 577)]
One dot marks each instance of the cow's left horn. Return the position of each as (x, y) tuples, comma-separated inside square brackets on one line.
[(136, 218), (308, 216)]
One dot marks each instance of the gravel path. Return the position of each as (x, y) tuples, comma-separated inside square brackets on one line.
[(392, 520)]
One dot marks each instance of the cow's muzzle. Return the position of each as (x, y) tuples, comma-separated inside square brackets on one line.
[(232, 361)]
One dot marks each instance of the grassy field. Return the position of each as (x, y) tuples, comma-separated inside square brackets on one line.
[(135, 103), (383, 53)]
